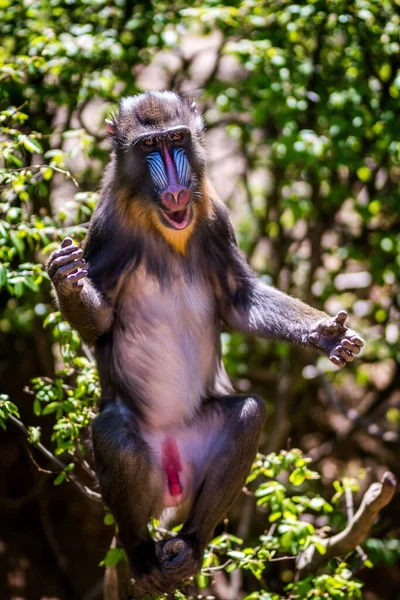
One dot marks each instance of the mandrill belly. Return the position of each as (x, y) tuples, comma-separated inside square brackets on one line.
[(167, 354)]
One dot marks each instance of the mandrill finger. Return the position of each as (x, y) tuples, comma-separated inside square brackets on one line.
[(65, 259), (357, 341), (336, 360), (350, 346), (341, 317), (66, 270), (66, 242), (61, 252), (348, 357), (75, 277)]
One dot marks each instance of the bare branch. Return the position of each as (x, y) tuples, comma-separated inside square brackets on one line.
[(375, 498), (56, 461), (66, 174)]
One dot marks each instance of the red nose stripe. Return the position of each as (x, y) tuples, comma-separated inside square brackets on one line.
[(175, 197), (170, 169), (172, 465)]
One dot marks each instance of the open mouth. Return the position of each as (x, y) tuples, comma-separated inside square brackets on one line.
[(178, 219)]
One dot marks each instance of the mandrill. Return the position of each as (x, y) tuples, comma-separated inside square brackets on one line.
[(159, 277)]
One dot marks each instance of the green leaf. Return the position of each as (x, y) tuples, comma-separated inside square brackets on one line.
[(275, 516), (3, 276), (320, 547), (51, 319), (7, 408), (113, 556), (14, 159), (109, 519), (37, 409), (34, 435), (234, 538), (202, 581), (236, 554), (29, 282), (47, 174), (368, 564), (60, 478), (50, 408), (17, 243), (31, 145), (364, 174), (297, 477), (317, 503), (179, 596)]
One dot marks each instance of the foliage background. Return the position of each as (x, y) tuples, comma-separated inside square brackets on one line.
[(301, 109)]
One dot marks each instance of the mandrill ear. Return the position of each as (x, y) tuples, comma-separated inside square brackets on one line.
[(110, 127), (198, 117)]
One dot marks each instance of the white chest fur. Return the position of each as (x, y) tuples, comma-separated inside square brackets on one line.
[(167, 349)]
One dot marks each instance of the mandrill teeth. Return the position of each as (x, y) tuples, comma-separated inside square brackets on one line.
[(182, 166)]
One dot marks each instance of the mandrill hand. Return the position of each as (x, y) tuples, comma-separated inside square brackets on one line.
[(339, 342), (67, 267)]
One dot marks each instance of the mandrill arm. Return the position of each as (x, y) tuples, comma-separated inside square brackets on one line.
[(79, 302), (250, 306)]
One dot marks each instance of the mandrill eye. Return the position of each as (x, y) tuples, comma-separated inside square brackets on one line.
[(176, 137), (150, 141)]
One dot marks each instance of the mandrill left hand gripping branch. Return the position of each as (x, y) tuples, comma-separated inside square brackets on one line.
[(159, 277)]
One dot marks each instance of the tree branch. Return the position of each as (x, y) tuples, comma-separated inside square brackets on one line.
[(61, 466), (375, 498)]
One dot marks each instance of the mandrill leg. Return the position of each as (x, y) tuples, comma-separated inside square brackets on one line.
[(228, 463), (131, 486)]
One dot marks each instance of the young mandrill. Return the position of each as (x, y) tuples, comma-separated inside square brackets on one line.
[(159, 277)]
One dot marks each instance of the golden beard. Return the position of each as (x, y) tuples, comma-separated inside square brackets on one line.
[(146, 218)]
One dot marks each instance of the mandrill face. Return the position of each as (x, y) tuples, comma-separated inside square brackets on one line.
[(171, 175), (160, 160)]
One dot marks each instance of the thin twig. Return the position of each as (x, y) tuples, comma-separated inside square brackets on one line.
[(39, 468), (66, 174), (71, 476), (218, 568), (84, 464)]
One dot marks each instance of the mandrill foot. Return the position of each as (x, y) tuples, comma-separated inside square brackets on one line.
[(177, 558)]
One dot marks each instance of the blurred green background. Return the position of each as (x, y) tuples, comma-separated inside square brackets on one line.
[(301, 107)]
